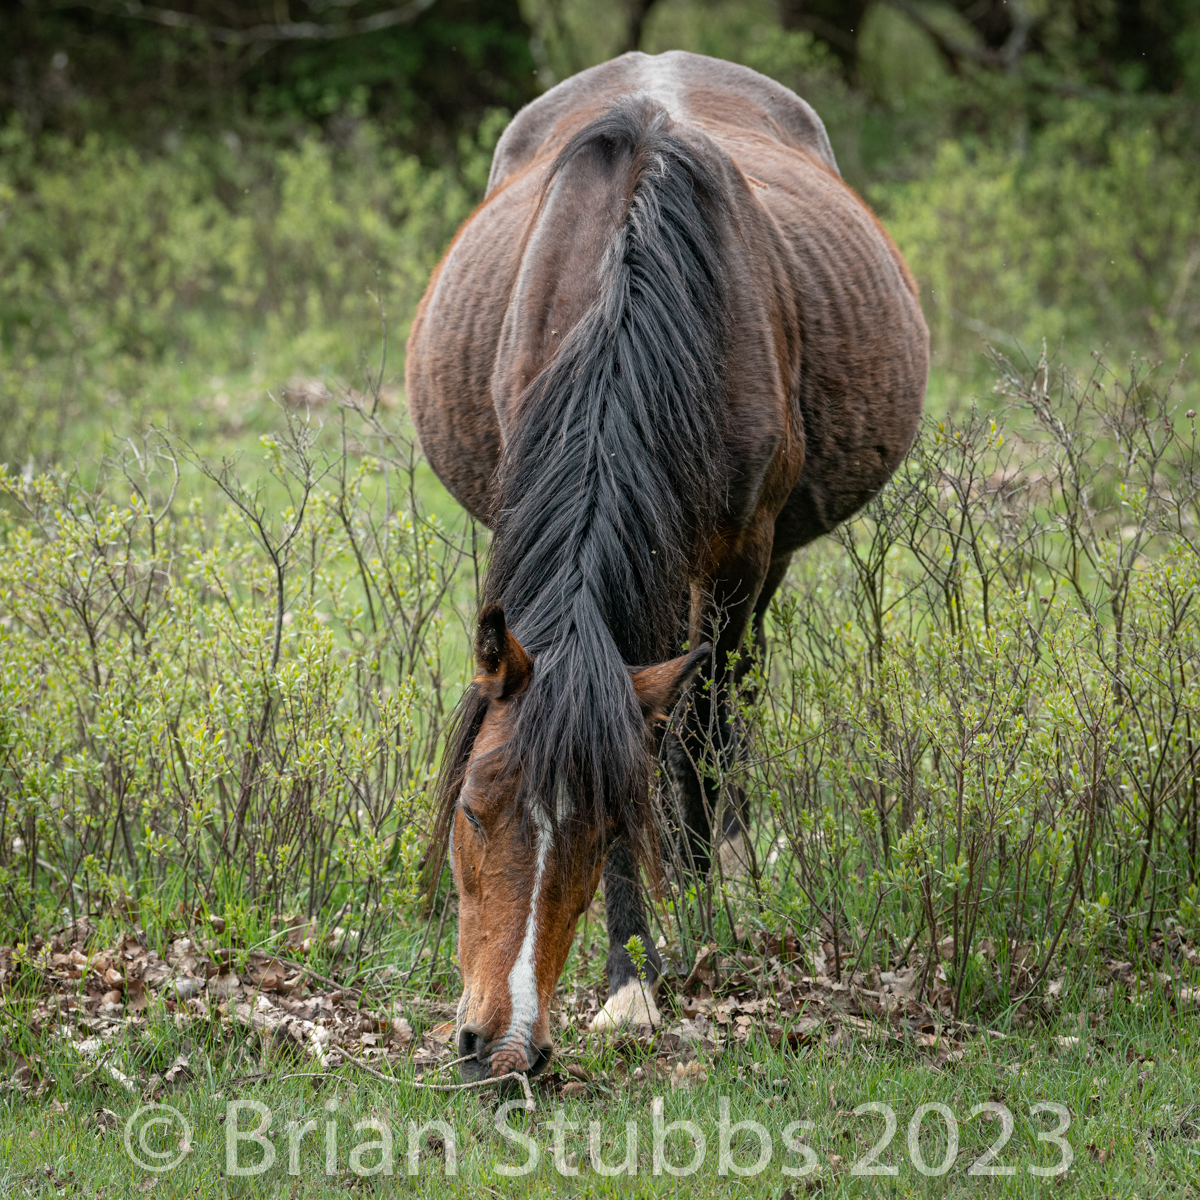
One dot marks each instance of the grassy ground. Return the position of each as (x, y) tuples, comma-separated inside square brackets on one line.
[(224, 416), (1129, 1088)]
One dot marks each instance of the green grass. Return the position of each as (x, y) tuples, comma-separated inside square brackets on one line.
[(1131, 1086), (223, 412)]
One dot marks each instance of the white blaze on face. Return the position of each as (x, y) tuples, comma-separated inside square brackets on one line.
[(465, 999), (522, 979)]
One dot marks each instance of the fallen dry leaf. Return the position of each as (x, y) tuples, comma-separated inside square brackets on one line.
[(444, 1032), (106, 1119)]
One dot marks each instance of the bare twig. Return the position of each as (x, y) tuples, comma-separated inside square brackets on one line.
[(307, 1075), (491, 1081), (333, 983), (453, 1063)]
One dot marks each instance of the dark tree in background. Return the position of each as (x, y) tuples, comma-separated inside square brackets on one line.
[(426, 69), (1126, 45), (835, 22), (1142, 36)]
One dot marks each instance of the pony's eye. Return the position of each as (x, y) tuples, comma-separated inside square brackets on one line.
[(471, 817)]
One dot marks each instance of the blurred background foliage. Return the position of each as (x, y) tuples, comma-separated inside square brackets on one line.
[(200, 202)]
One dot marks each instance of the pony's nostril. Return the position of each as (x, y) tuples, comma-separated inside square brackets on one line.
[(541, 1056), (470, 1043)]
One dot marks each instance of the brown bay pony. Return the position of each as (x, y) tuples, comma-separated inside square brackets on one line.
[(669, 348)]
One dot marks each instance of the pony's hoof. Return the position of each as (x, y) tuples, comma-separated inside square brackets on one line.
[(631, 1004)]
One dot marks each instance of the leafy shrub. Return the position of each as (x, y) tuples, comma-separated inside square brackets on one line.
[(111, 262), (235, 711), (128, 280), (1092, 233), (977, 737), (974, 735)]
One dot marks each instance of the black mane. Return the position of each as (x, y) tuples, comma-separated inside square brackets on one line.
[(615, 474)]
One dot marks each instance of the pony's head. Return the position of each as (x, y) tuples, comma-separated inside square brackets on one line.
[(526, 866)]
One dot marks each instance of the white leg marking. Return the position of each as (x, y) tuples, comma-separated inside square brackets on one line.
[(631, 1004)]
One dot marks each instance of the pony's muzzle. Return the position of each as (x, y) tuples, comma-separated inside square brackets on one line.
[(471, 1041), (485, 1058)]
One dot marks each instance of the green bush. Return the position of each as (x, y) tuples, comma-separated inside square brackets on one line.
[(1091, 236), (974, 737), (129, 281), (230, 712), (113, 265), (978, 738)]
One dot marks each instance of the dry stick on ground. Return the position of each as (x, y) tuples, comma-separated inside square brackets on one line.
[(333, 983), (452, 1063), (104, 1065), (312, 1075), (520, 1076), (334, 1075)]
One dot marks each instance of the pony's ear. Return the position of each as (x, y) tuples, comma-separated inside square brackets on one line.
[(504, 667), (658, 687)]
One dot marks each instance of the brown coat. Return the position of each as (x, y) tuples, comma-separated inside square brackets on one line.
[(829, 356)]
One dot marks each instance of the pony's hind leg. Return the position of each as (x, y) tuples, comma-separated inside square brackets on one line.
[(709, 729), (734, 847), (711, 806), (631, 987)]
